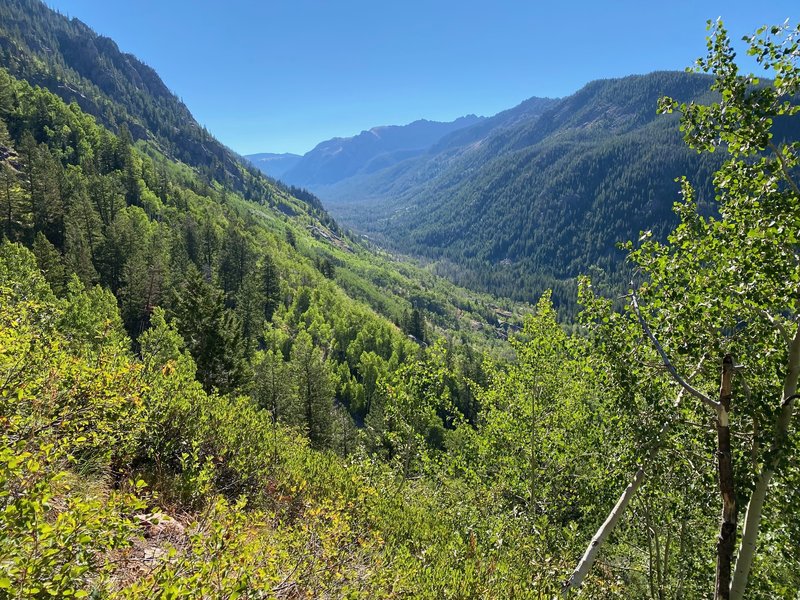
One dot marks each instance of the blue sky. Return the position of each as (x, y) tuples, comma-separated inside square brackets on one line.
[(282, 75)]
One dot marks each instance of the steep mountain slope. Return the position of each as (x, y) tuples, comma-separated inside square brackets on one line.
[(121, 211), (527, 111), (146, 303), (337, 159), (542, 196), (68, 58)]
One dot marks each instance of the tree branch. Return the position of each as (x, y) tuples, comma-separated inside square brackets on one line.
[(789, 399), (752, 520), (784, 170), (777, 325), (714, 405), (585, 563)]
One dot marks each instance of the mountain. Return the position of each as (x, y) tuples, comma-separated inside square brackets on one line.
[(535, 196), (378, 148), (65, 56), (526, 111), (274, 165), (390, 182), (107, 176), (183, 339), (210, 390)]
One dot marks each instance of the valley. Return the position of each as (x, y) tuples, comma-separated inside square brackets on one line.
[(550, 352), (533, 197)]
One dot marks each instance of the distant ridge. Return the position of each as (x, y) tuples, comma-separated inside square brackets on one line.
[(337, 159), (274, 165)]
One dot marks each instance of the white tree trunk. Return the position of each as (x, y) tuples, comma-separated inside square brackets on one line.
[(752, 521), (585, 564)]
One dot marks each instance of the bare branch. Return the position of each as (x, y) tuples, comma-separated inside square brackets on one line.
[(789, 399), (605, 530), (585, 564), (714, 405)]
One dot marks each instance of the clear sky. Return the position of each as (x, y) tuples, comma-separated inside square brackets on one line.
[(282, 75)]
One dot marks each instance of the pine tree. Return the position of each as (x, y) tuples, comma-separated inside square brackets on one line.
[(14, 222), (83, 238), (250, 311), (145, 275), (51, 263), (313, 385), (212, 333), (273, 391), (236, 259), (271, 287)]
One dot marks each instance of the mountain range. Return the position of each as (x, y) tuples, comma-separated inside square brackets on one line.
[(274, 165), (209, 389), (164, 163), (511, 204), (338, 159), (527, 199)]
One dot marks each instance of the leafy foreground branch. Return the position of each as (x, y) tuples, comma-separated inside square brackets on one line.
[(730, 286)]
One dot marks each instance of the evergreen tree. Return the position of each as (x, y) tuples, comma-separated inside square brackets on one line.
[(84, 238), (273, 388), (145, 275), (211, 331), (291, 239), (51, 263), (270, 286), (107, 194), (14, 221), (250, 310), (236, 259), (414, 324), (7, 93), (209, 239), (344, 433), (314, 388), (129, 165)]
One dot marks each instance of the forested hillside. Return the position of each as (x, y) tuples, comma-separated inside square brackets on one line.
[(72, 61), (93, 206), (210, 390), (534, 197)]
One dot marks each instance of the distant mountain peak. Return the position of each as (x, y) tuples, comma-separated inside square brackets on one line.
[(273, 164), (342, 157)]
